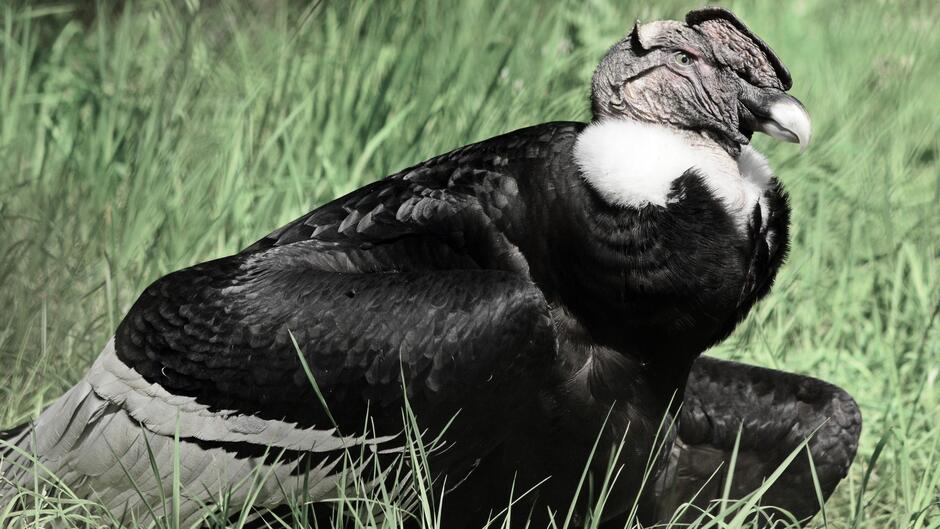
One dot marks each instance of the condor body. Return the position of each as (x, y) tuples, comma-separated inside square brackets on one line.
[(538, 292)]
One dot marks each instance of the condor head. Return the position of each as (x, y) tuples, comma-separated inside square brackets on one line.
[(709, 74)]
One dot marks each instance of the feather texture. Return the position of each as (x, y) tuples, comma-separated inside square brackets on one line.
[(95, 441), (774, 412)]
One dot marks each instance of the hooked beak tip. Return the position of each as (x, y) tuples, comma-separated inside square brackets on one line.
[(787, 120)]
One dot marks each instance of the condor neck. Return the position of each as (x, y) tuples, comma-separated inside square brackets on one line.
[(623, 279), (636, 278), (635, 164)]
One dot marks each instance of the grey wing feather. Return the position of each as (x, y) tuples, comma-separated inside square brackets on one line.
[(92, 441)]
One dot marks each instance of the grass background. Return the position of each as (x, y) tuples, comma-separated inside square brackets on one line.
[(142, 137)]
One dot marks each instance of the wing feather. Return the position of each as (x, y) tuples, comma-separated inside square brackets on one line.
[(775, 412)]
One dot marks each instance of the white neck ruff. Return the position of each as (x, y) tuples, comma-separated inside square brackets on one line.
[(633, 164)]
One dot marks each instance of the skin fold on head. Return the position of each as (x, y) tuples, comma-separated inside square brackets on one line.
[(708, 74)]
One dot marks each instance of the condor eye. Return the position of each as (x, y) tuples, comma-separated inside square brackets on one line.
[(682, 58)]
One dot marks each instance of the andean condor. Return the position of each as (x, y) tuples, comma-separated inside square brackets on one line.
[(556, 285)]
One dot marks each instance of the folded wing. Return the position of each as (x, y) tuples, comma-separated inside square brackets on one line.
[(774, 412)]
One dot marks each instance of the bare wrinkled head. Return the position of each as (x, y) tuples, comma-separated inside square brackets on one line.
[(709, 74)]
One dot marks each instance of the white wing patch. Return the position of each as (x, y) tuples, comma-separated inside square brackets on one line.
[(95, 439), (634, 164), (160, 411)]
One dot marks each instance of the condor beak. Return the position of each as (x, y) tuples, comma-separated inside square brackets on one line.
[(778, 115)]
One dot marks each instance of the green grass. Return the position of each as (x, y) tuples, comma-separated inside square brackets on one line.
[(140, 142)]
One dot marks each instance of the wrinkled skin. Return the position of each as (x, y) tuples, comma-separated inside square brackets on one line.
[(709, 74)]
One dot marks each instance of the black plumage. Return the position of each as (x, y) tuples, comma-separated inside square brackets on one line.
[(437, 261)]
